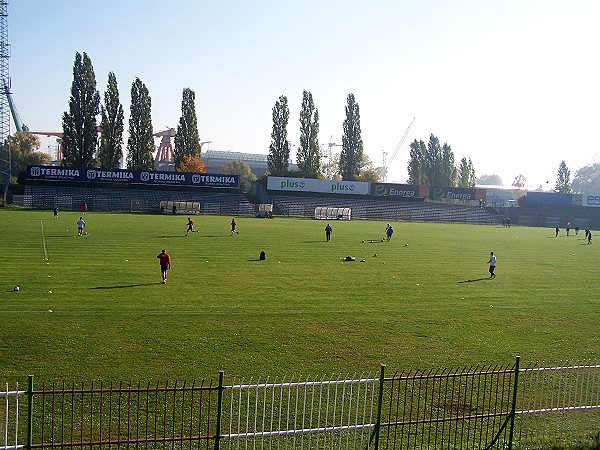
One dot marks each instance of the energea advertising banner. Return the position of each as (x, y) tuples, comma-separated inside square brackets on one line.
[(449, 193), (590, 200), (323, 186), (398, 191), (145, 177)]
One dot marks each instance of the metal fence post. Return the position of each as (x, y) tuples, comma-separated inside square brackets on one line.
[(514, 404), (219, 411), (29, 411), (379, 406)]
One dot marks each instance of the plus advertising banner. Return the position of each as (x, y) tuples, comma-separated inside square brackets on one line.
[(322, 186), (398, 191), (149, 177)]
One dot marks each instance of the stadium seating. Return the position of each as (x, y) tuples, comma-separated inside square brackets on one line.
[(136, 200), (291, 205)]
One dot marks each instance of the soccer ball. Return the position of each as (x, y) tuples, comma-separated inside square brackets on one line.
[(16, 289)]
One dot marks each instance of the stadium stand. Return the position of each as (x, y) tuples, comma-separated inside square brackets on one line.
[(553, 216), (138, 200), (299, 206)]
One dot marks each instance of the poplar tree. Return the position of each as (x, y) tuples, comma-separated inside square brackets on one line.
[(110, 152), (187, 139), (449, 173), (432, 164), (140, 145), (466, 173), (308, 156), (563, 179), (351, 157), (279, 150), (79, 123), (416, 163)]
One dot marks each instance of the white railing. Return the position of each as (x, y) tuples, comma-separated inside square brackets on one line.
[(560, 405), (9, 413), (321, 413)]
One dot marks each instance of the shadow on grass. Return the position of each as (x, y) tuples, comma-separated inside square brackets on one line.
[(472, 281), (125, 286)]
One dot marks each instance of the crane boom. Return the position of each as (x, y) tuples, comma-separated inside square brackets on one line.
[(401, 142), (13, 110)]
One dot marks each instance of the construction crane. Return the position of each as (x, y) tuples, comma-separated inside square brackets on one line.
[(387, 164), (165, 149), (13, 110), (329, 156)]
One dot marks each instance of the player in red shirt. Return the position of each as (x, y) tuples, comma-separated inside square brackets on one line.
[(190, 226), (233, 225), (165, 264)]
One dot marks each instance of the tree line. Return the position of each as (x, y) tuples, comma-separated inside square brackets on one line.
[(80, 129), (351, 164), (429, 163)]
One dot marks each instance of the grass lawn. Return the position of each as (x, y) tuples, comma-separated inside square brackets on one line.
[(95, 309)]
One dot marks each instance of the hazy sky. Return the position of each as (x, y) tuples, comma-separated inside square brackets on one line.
[(512, 84)]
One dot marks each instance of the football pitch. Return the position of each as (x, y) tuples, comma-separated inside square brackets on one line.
[(93, 307)]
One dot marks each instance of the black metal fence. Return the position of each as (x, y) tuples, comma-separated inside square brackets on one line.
[(492, 407)]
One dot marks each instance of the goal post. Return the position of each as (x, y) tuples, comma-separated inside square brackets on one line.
[(331, 213)]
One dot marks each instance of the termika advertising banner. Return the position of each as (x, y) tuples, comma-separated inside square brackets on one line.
[(149, 177), (590, 200), (398, 191), (322, 186)]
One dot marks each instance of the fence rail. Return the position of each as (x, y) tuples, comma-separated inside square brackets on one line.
[(9, 413), (494, 407)]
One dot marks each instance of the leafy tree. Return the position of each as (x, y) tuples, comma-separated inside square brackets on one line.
[(24, 148), (519, 181), (466, 173), (490, 180), (140, 145), (587, 179), (331, 167), (111, 140), (431, 164), (308, 156), (279, 150), (449, 173), (368, 172), (241, 168), (563, 179), (79, 123), (416, 163), (351, 157), (187, 139), (191, 163)]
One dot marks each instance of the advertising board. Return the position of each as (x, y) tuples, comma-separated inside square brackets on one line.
[(452, 193), (145, 177), (399, 191), (321, 186), (592, 200)]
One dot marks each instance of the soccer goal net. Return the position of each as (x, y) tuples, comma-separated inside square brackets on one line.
[(330, 213), (171, 207)]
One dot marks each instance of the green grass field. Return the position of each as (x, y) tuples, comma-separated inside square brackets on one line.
[(95, 309)]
